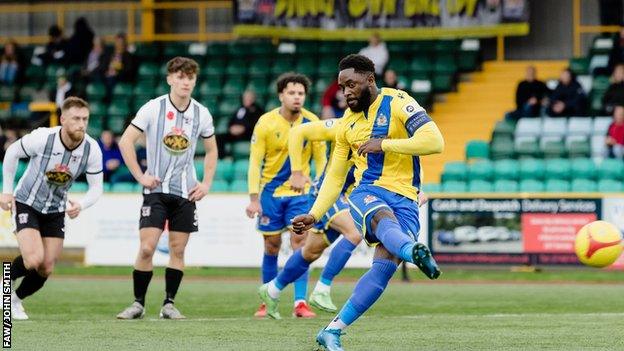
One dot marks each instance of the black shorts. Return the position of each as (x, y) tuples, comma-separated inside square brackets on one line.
[(50, 225), (158, 208)]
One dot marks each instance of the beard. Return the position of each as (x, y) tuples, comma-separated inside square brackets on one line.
[(76, 136), (363, 102)]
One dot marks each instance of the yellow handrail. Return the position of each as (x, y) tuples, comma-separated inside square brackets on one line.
[(579, 29)]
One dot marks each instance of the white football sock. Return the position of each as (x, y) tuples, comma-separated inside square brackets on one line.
[(322, 287), (337, 323), (274, 291), (298, 301)]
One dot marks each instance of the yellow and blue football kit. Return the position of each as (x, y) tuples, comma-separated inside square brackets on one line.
[(390, 179), (269, 170), (324, 131)]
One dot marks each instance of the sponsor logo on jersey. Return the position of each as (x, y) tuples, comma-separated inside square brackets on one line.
[(369, 198), (176, 141), (410, 109), (22, 218), (146, 211), (329, 123), (59, 175)]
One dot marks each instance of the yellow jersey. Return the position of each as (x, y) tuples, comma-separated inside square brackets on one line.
[(408, 133), (269, 163)]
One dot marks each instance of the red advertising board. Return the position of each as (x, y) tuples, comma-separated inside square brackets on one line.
[(552, 233)]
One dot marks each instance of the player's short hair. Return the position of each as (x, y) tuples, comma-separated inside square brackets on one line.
[(359, 63), (182, 64), (292, 77), (73, 101)]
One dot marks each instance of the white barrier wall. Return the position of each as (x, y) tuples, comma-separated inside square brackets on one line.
[(109, 233)]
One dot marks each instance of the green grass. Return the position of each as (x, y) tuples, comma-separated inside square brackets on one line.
[(77, 313)]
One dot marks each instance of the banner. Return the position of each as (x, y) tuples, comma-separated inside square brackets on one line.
[(613, 212), (300, 17), (513, 231)]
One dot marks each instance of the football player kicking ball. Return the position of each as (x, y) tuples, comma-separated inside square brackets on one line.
[(172, 124), (39, 203), (384, 133)]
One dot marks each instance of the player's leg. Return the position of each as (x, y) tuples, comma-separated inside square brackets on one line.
[(340, 254), (295, 206), (32, 254), (174, 273), (272, 244), (367, 290)]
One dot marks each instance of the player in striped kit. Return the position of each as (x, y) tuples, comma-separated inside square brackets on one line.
[(172, 124), (39, 203)]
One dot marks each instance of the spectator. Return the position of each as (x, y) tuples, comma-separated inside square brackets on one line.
[(333, 102), (56, 49), (110, 153), (120, 65), (530, 95), (616, 56), (241, 124), (377, 52), (615, 93), (80, 43), (11, 64), (390, 80), (615, 134), (62, 91), (568, 98), (94, 67)]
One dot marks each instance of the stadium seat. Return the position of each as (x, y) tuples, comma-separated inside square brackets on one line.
[(552, 147), (122, 91), (506, 169), (233, 88), (199, 168), (505, 186), (579, 126), (421, 65), (504, 128), (454, 171), (238, 186), (610, 186), (557, 186), (399, 65), (527, 146), (611, 168), (306, 66), (445, 64), (21, 168), (481, 169), (528, 127), (477, 149), (531, 186), (557, 168), (79, 187), (279, 63), (146, 52), (554, 127), (583, 185), (96, 91), (220, 186), (532, 169), (442, 83), (431, 188), (200, 149), (583, 168), (259, 86), (174, 49), (578, 146), (148, 71), (221, 125), (118, 108), (144, 91), (601, 125), (207, 89), (480, 186), (259, 68), (240, 150), (228, 107), (501, 148), (598, 146), (96, 124), (454, 186), (216, 50), (598, 61), (124, 187), (579, 65), (225, 170)]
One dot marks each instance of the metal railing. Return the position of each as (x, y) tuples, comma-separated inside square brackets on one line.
[(580, 29)]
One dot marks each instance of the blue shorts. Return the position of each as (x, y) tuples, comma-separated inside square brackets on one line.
[(323, 225), (277, 212), (366, 200)]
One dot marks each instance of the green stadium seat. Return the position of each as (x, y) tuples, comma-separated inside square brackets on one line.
[(118, 108), (583, 168), (454, 186), (332, 48), (527, 147), (162, 89), (481, 169), (307, 66), (579, 65), (117, 123), (431, 188), (611, 168), (240, 150), (148, 71), (221, 125), (200, 149), (174, 49), (238, 186), (506, 169), (228, 107), (454, 171), (261, 49), (506, 186), (225, 170), (552, 147), (532, 169), (199, 168), (272, 104), (600, 83), (531, 186), (480, 186), (236, 68), (233, 88), (446, 46), (280, 63), (214, 70), (327, 67), (477, 149), (241, 167), (583, 185), (307, 48), (399, 65), (122, 91), (207, 89), (578, 146), (146, 51), (502, 149), (96, 92), (259, 68), (557, 186), (35, 73), (143, 90), (96, 125), (557, 168), (21, 168), (504, 128), (216, 50), (79, 187), (53, 71), (442, 83), (610, 186), (239, 48), (220, 186), (445, 64), (423, 46)]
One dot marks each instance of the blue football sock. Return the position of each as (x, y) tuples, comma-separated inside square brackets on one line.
[(394, 239), (367, 290), (337, 259), (269, 268), (301, 286), (294, 268)]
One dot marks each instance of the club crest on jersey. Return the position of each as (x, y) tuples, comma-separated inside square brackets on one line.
[(369, 198), (264, 220), (176, 141), (382, 120), (59, 175)]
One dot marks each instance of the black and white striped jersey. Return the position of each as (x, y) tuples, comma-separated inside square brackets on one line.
[(53, 167), (171, 140)]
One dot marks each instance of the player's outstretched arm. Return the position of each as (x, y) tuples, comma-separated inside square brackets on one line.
[(9, 167), (128, 152), (256, 156), (426, 140), (210, 165)]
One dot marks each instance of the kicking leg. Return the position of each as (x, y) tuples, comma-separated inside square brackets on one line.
[(301, 283)]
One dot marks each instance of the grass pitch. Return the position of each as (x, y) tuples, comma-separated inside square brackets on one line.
[(464, 310)]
